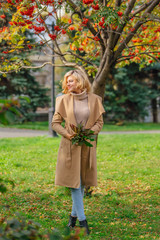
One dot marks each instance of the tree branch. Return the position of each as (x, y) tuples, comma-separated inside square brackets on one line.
[(140, 9), (104, 68), (118, 3), (54, 42), (89, 25), (59, 52), (154, 18), (61, 55), (136, 27), (127, 40), (104, 2), (141, 45), (156, 59), (41, 66), (152, 6), (84, 60), (123, 58), (124, 22)]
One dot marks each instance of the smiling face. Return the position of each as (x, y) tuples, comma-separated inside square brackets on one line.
[(72, 85), (75, 81)]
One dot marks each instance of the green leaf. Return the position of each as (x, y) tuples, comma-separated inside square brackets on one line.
[(3, 188), (88, 144), (10, 116), (16, 111), (26, 98), (3, 119)]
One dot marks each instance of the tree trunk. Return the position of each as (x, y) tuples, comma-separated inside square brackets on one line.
[(154, 110), (99, 89), (98, 85), (154, 78)]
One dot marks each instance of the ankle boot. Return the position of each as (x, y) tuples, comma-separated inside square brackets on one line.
[(72, 222), (84, 224)]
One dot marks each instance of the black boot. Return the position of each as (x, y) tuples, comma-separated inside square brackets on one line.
[(84, 224), (72, 222)]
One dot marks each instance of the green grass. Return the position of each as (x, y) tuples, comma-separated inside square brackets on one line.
[(125, 205), (106, 127), (132, 127)]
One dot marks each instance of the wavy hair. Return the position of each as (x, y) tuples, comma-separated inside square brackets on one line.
[(81, 78)]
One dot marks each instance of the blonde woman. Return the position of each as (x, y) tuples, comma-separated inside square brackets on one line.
[(76, 165)]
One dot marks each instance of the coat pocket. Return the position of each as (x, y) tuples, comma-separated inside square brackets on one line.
[(65, 152)]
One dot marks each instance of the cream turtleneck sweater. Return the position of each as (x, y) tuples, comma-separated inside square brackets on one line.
[(81, 110)]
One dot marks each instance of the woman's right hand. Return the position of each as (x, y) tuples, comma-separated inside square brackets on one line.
[(69, 136)]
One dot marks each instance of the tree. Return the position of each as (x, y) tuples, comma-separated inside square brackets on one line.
[(127, 95), (20, 84), (153, 83), (98, 34), (131, 92), (20, 93)]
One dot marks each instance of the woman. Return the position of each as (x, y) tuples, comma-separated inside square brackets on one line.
[(76, 165)]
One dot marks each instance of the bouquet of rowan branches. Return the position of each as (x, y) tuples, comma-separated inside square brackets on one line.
[(82, 135)]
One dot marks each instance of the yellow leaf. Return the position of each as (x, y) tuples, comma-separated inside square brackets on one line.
[(20, 42)]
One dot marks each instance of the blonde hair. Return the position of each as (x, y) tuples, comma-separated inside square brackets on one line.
[(81, 78)]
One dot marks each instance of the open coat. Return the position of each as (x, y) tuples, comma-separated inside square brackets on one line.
[(76, 161)]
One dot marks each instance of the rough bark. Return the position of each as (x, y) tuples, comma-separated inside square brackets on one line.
[(99, 89), (154, 110), (154, 104), (98, 85)]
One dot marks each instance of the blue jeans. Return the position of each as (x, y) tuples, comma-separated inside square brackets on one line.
[(77, 199)]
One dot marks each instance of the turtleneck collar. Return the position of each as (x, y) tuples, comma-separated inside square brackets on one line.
[(80, 96)]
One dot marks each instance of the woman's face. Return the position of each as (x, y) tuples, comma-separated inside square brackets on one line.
[(72, 85)]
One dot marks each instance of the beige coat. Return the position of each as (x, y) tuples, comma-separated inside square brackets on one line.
[(76, 161)]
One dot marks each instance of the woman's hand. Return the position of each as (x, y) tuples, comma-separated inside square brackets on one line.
[(69, 136)]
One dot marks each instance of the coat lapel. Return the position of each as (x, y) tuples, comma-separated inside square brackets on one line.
[(90, 112), (71, 115), (95, 110)]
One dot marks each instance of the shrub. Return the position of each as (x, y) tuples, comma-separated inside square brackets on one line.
[(20, 229), (3, 183)]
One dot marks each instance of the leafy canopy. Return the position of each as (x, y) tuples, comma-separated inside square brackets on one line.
[(128, 29)]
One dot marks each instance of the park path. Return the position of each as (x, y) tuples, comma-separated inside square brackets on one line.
[(14, 132)]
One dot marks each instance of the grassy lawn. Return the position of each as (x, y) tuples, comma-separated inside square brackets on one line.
[(106, 127), (125, 205)]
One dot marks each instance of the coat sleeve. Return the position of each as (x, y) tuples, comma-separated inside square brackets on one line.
[(98, 114), (56, 125), (98, 125), (58, 119)]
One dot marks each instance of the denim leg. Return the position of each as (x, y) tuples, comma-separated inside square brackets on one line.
[(73, 213), (77, 207), (82, 190)]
